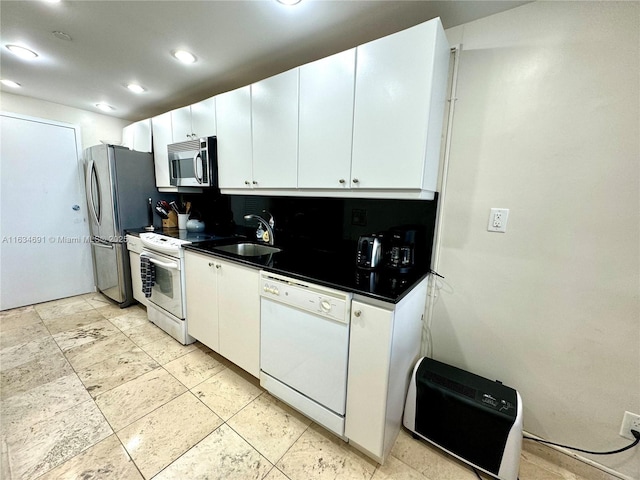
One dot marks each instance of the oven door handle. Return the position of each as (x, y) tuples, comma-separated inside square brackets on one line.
[(171, 265)]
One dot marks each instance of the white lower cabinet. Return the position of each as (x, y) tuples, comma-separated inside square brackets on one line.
[(223, 308), (201, 287), (384, 346), (239, 310), (134, 245)]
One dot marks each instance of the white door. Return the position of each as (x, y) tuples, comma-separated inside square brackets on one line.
[(44, 249)]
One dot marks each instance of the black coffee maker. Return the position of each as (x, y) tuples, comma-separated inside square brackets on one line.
[(403, 248)]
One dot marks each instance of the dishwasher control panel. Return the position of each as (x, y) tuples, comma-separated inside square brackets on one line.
[(312, 298)]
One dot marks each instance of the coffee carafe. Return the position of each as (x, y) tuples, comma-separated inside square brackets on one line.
[(401, 249)]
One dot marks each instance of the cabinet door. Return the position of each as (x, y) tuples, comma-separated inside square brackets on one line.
[(162, 137), (203, 118), (239, 306), (233, 115), (326, 121), (393, 102), (201, 285), (181, 124), (136, 279), (369, 360), (274, 104), (127, 136), (142, 136)]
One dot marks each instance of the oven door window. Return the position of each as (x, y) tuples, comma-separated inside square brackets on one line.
[(164, 282), (167, 291)]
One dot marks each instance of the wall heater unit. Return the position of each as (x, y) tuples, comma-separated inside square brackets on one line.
[(472, 418)]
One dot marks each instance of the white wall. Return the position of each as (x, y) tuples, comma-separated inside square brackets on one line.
[(547, 125), (93, 126)]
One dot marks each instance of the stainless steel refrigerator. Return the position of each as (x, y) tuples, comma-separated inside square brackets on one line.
[(119, 183)]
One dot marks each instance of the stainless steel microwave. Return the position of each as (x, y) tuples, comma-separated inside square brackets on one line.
[(194, 163)]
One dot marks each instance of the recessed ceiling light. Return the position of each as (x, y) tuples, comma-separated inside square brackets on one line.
[(184, 56), (22, 52), (135, 88), (61, 35), (289, 2), (10, 83), (105, 107)]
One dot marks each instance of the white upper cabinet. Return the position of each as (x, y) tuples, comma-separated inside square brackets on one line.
[(180, 125), (274, 106), (162, 137), (203, 118), (235, 157), (326, 121), (194, 121), (401, 83), (137, 136)]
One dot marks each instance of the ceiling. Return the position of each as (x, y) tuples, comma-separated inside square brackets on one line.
[(236, 42)]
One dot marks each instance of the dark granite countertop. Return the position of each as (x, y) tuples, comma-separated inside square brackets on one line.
[(329, 269)]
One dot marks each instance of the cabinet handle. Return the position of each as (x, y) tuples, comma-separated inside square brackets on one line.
[(218, 265), (357, 313), (341, 180), (255, 183), (247, 182), (193, 135), (211, 264), (355, 180)]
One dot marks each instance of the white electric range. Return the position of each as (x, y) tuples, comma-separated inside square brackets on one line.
[(165, 256)]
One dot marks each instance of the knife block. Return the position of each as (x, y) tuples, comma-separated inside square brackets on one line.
[(171, 222)]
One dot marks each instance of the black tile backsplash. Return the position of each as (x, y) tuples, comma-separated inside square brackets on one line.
[(333, 225)]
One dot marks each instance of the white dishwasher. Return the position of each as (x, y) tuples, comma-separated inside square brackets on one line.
[(304, 347)]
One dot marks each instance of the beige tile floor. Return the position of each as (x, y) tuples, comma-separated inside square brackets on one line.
[(90, 391)]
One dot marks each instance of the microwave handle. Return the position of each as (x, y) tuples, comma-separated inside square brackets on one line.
[(195, 167)]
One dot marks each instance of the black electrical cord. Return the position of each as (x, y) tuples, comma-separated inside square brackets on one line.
[(635, 433)]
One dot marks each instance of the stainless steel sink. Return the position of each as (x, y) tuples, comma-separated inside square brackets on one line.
[(248, 249)]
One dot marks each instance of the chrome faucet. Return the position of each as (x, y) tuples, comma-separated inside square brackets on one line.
[(268, 225)]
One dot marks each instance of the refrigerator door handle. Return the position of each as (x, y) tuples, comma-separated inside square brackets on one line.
[(89, 191)]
